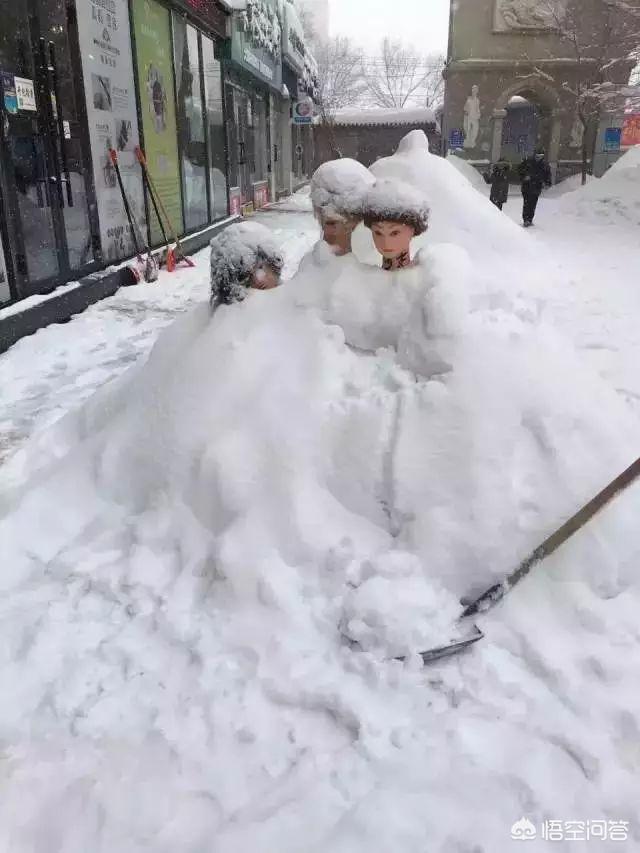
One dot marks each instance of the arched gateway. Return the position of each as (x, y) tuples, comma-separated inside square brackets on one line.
[(508, 82)]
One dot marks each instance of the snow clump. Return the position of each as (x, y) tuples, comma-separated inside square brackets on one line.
[(235, 253), (338, 188)]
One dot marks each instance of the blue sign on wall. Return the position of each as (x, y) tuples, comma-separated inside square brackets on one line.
[(456, 139), (612, 138)]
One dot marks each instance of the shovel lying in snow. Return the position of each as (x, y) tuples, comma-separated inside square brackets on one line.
[(496, 593)]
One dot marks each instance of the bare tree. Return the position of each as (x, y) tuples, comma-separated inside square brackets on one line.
[(397, 76), (433, 90), (604, 42), (341, 83)]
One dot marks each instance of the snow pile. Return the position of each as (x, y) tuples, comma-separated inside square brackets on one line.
[(459, 214), (568, 185), (337, 187), (613, 199), (470, 172), (182, 586), (235, 253)]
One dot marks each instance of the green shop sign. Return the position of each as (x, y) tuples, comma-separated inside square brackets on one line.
[(256, 42)]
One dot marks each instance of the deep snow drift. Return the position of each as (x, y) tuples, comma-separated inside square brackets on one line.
[(196, 546), (613, 198)]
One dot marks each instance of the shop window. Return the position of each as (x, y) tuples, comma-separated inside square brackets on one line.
[(191, 124), (215, 131)]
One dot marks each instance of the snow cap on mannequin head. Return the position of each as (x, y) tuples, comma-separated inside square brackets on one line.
[(243, 257), (338, 187)]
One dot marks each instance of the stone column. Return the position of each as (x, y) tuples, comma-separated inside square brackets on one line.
[(554, 145), (496, 142)]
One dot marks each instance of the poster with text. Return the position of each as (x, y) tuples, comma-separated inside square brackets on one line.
[(155, 74), (107, 67)]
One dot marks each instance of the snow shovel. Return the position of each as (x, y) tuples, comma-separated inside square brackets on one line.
[(497, 592), (149, 266), (173, 255)]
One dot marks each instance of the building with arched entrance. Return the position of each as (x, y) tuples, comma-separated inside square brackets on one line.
[(509, 78)]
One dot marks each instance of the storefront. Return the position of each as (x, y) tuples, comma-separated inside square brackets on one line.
[(47, 198), (78, 79), (293, 63), (177, 58), (253, 77)]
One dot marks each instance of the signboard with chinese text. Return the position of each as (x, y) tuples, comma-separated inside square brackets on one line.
[(107, 68), (612, 138)]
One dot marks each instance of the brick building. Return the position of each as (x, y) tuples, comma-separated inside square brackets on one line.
[(368, 135)]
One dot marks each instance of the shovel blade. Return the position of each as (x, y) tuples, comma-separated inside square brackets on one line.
[(452, 648)]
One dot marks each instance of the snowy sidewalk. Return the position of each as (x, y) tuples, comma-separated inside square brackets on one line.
[(45, 375), (53, 371)]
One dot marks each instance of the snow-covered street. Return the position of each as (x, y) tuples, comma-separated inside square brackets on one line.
[(212, 564), (596, 306)]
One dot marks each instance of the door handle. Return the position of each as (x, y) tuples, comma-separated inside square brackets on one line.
[(60, 122)]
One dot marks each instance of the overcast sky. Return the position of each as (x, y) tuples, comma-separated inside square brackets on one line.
[(424, 23)]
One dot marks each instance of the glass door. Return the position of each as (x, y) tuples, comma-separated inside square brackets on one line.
[(240, 128), (42, 163)]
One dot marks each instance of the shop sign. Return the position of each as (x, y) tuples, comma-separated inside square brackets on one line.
[(303, 111), (631, 130), (107, 68), (612, 138), (25, 94), (256, 42), (154, 56), (258, 64), (293, 48)]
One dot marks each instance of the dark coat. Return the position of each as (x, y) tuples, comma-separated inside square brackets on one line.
[(534, 175), (499, 180)]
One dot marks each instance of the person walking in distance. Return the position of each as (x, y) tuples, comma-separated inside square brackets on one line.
[(534, 175), (498, 177)]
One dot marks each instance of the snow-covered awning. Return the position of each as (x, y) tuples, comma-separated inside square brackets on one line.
[(409, 115), (234, 5)]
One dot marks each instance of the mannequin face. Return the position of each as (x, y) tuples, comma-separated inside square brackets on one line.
[(264, 277), (337, 231), (392, 239)]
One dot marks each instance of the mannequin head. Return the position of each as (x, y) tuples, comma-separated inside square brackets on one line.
[(337, 190), (337, 231), (392, 239), (244, 257), (395, 213)]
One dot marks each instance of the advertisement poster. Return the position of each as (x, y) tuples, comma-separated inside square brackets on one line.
[(155, 74), (9, 93), (631, 130), (107, 68)]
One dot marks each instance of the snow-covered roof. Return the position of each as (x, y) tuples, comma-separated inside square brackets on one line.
[(409, 115), (234, 5)]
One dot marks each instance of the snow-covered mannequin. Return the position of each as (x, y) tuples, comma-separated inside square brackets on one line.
[(395, 213), (337, 190), (243, 257)]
